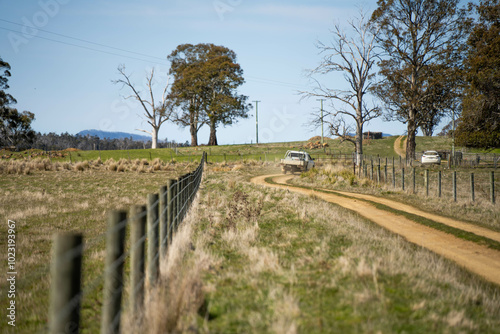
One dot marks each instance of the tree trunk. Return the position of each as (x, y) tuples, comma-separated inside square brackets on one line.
[(410, 141), (359, 143), (194, 134), (212, 141), (154, 137)]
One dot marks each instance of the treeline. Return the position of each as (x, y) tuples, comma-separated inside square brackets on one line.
[(54, 142)]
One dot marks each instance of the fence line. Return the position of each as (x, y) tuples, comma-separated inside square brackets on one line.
[(455, 184), (151, 230)]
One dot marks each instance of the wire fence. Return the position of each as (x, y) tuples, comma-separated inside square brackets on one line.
[(457, 183), (151, 229)]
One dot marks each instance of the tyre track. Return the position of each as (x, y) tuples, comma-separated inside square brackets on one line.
[(476, 258)]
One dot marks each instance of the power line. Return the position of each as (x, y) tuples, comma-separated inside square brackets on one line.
[(250, 78), (85, 47), (86, 41)]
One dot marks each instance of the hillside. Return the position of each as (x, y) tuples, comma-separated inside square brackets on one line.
[(113, 135)]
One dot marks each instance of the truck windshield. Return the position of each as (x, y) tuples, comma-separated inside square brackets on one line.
[(297, 155)]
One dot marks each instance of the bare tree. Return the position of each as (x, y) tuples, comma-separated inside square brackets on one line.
[(418, 37), (355, 57), (156, 113)]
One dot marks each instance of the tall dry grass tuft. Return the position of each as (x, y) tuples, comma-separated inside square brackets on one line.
[(172, 306)]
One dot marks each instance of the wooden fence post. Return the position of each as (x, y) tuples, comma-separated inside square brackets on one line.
[(138, 220), (492, 187), (170, 214), (472, 192), (163, 215), (113, 280), (393, 176), (403, 179), (64, 312), (385, 173), (378, 174), (153, 242), (178, 202)]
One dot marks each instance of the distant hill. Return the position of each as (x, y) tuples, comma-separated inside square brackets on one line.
[(113, 135)]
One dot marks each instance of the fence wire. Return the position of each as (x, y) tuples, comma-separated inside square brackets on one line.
[(183, 191)]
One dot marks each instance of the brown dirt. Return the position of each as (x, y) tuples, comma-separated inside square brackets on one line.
[(475, 258), (397, 147)]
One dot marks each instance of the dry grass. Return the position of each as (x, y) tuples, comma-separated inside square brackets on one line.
[(481, 212), (294, 264), (59, 198)]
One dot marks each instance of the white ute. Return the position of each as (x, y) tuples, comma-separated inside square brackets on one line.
[(296, 161)]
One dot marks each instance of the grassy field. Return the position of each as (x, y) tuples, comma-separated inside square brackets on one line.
[(57, 200), (266, 152), (259, 260), (252, 259)]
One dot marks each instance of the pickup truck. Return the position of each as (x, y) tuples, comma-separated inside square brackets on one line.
[(296, 161)]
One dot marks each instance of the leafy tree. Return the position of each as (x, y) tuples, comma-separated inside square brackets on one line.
[(155, 112), (479, 125), (206, 78), (355, 57), (15, 126), (419, 37)]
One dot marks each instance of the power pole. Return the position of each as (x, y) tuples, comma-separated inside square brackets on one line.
[(321, 118), (257, 121)]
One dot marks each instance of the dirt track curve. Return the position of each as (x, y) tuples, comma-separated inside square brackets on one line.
[(397, 147), (476, 258)]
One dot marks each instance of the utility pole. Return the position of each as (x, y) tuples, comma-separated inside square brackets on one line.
[(321, 118), (256, 121)]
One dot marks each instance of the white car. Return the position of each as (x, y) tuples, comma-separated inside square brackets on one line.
[(431, 157), (296, 161)]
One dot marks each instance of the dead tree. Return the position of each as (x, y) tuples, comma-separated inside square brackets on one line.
[(155, 113), (353, 56)]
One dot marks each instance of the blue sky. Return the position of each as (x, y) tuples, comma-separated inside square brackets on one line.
[(67, 84)]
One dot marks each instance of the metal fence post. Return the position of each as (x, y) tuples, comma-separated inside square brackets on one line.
[(426, 182), (413, 180), (439, 183), (492, 187), (64, 311), (113, 280), (153, 243), (472, 191), (455, 186)]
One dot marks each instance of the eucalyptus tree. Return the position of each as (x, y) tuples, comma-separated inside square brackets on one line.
[(15, 126), (479, 125), (204, 91), (416, 35)]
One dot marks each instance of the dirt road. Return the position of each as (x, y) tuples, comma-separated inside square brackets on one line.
[(401, 151), (476, 258)]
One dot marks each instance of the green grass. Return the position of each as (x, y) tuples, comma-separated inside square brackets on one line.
[(265, 152), (312, 267)]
